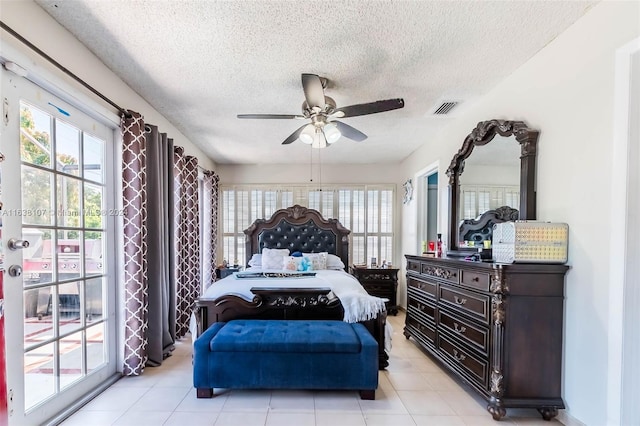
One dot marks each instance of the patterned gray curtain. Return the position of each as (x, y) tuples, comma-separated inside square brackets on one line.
[(147, 178), (187, 237), (135, 243), (210, 227)]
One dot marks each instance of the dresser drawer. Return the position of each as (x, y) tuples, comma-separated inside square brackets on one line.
[(426, 287), (473, 335), (380, 290), (376, 275), (422, 307), (477, 280), (448, 274), (413, 266), (466, 302), (474, 368), (424, 331)]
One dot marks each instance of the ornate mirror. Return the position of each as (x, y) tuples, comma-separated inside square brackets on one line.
[(491, 183)]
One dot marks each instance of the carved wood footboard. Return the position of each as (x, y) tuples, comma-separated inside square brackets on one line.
[(285, 303)]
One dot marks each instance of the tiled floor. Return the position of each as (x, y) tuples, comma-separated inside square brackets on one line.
[(413, 390)]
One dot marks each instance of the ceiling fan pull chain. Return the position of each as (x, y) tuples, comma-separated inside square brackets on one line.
[(310, 164), (320, 169)]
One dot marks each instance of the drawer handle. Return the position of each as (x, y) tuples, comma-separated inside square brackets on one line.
[(459, 329), (458, 357), (476, 279), (459, 301)]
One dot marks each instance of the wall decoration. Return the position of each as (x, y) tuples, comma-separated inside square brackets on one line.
[(408, 191)]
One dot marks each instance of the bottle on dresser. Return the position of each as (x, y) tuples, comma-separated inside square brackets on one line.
[(439, 246)]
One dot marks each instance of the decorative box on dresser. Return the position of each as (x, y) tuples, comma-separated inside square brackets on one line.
[(496, 326), (380, 282)]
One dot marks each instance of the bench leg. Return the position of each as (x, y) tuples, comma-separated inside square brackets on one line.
[(368, 394), (204, 392)]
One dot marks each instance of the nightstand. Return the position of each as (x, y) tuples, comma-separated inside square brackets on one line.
[(379, 282), (224, 272)]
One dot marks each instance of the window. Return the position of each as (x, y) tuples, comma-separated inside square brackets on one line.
[(366, 210), (67, 285), (478, 199)]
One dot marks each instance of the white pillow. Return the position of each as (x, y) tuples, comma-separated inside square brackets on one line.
[(273, 258), (318, 260), (290, 263), (334, 262), (256, 260)]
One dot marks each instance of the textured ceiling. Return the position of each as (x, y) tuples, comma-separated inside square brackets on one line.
[(200, 63)]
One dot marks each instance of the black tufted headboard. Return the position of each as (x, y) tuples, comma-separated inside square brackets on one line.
[(481, 229), (298, 229)]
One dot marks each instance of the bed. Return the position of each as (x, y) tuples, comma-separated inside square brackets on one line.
[(272, 293)]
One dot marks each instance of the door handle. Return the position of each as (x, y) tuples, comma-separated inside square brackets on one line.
[(15, 244), (15, 270)]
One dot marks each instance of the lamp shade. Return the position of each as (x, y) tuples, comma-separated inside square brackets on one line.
[(319, 140), (308, 134), (331, 133)]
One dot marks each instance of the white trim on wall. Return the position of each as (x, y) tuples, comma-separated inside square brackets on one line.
[(624, 329), (420, 179)]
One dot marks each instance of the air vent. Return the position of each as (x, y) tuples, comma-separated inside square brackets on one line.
[(444, 107)]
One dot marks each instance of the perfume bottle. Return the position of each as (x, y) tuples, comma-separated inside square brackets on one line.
[(439, 246)]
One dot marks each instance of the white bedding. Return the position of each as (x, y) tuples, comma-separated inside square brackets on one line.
[(357, 303)]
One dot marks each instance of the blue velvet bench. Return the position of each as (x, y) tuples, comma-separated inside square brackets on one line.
[(286, 354)]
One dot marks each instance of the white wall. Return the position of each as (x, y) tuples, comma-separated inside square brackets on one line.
[(491, 175), (31, 22), (301, 173), (567, 92)]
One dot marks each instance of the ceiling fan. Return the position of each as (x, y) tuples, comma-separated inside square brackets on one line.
[(324, 129)]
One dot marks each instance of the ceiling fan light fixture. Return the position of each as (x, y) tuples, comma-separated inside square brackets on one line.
[(319, 141), (320, 108), (308, 134), (331, 133)]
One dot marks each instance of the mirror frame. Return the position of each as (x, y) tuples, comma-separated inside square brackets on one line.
[(484, 133)]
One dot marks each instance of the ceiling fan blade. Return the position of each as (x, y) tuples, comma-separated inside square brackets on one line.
[(313, 91), (350, 132), (294, 136), (271, 116), (370, 108)]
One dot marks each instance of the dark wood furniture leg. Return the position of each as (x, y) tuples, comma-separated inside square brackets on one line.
[(204, 392), (548, 413), (496, 409), (368, 394)]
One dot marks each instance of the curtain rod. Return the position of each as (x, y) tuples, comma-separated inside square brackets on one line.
[(205, 171), (63, 69)]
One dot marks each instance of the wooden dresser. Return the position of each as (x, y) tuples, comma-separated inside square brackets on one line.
[(496, 326), (380, 282)]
